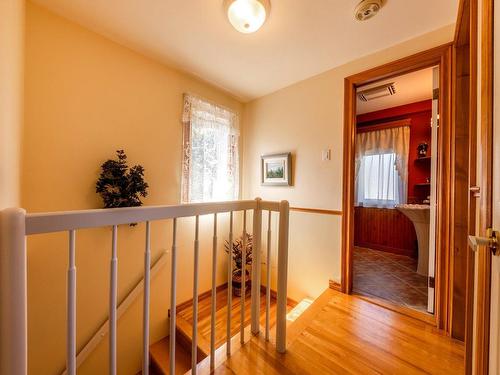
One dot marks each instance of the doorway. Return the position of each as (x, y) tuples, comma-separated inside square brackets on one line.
[(395, 190), (439, 58)]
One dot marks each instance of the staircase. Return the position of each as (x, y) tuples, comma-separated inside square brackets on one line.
[(159, 351), (160, 357)]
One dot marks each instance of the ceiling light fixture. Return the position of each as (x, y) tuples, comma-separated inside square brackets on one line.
[(247, 16)]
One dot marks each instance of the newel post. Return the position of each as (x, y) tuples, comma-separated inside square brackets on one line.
[(282, 276), (256, 266), (13, 292)]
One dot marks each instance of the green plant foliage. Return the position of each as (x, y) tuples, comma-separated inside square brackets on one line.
[(119, 185)]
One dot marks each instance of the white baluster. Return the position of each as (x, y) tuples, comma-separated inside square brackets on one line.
[(229, 285), (173, 288), (268, 277), (112, 302), (145, 328), (13, 292), (243, 277), (71, 308), (214, 296), (256, 267), (282, 277), (194, 347)]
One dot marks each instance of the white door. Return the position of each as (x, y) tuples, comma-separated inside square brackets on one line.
[(433, 201), (495, 264)]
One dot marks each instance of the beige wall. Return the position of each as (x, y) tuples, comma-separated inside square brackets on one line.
[(305, 119), (11, 84), (85, 97)]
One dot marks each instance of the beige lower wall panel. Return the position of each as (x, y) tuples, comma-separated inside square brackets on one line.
[(313, 253)]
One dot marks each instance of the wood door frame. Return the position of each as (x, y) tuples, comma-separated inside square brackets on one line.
[(484, 256), (465, 64), (439, 56)]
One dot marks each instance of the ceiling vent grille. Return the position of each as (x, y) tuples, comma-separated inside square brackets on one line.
[(372, 93)]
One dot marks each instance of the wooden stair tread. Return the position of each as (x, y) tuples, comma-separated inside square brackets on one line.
[(184, 331), (203, 367), (185, 316), (160, 357)]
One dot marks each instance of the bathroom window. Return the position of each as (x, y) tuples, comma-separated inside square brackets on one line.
[(210, 165), (380, 180), (382, 167)]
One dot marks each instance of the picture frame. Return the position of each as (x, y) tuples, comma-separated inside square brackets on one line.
[(276, 169)]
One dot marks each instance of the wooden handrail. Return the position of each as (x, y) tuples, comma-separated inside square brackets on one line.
[(320, 211)]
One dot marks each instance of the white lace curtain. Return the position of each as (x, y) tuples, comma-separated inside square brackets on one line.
[(210, 165), (382, 167)]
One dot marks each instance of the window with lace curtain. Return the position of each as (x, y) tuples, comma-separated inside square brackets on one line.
[(382, 167), (210, 162), (380, 180)]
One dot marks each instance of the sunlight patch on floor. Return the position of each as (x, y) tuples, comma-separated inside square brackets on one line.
[(299, 309)]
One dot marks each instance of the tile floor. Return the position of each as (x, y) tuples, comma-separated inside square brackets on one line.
[(390, 277)]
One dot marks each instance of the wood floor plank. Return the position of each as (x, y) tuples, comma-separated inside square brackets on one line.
[(347, 335)]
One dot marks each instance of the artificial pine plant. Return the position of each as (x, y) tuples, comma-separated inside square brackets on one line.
[(237, 255), (237, 251), (119, 185)]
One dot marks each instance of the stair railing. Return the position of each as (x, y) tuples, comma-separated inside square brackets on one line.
[(110, 323), (16, 225)]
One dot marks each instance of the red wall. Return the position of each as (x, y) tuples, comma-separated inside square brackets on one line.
[(420, 114)]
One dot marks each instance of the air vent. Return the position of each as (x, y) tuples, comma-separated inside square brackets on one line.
[(372, 93)]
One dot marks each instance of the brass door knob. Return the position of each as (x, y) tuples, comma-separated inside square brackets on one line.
[(491, 241)]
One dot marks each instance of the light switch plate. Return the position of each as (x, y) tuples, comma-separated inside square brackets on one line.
[(326, 155)]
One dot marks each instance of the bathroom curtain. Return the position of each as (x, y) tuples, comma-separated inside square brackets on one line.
[(210, 158), (381, 174)]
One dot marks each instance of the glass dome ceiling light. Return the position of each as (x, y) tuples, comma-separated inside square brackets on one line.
[(247, 16)]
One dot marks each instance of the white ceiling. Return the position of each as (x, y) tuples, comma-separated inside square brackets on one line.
[(410, 88), (301, 38)]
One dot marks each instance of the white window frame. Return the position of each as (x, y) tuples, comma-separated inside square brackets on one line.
[(366, 186), (198, 115)]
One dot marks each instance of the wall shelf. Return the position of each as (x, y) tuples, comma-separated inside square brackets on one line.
[(423, 159)]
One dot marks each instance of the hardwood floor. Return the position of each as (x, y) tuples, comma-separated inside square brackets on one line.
[(347, 335)]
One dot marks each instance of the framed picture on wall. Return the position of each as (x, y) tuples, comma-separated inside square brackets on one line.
[(276, 169)]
